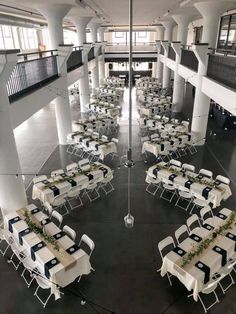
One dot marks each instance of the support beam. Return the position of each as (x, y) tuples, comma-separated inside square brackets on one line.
[(12, 190)]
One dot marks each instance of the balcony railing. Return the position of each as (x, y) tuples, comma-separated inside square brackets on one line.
[(124, 47), (29, 75), (189, 59), (75, 59), (222, 69), (171, 53), (91, 54)]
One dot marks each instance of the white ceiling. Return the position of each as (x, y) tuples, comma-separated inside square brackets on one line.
[(110, 12)]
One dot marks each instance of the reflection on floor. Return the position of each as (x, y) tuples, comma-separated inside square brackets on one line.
[(125, 280)]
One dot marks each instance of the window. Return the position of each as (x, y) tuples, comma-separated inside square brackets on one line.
[(69, 37), (6, 38), (119, 38), (28, 37), (142, 37), (227, 32)]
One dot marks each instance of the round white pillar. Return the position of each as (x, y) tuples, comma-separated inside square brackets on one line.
[(12, 190), (182, 21), (168, 25), (101, 31), (54, 13), (84, 93), (211, 12), (159, 71), (95, 70)]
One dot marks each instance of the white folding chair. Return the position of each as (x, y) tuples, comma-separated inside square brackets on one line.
[(57, 172), (106, 184), (183, 230), (84, 164), (72, 167), (40, 178), (223, 179), (92, 190), (208, 289), (175, 163), (224, 272), (59, 202), (184, 196), (189, 169), (48, 208), (168, 188), (193, 223), (43, 283), (74, 194), (206, 213), (164, 244), (153, 184), (199, 201), (206, 173), (58, 217), (70, 232), (90, 244)]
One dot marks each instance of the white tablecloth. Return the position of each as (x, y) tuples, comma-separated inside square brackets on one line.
[(191, 276), (59, 275), (47, 195), (215, 195)]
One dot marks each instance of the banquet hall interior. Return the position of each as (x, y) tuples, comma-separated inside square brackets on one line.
[(117, 156)]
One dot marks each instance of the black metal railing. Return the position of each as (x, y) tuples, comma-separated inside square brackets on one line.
[(171, 53), (91, 54), (75, 59), (222, 69), (30, 75), (189, 59), (162, 50)]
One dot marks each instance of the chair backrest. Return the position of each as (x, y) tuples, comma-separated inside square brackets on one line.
[(205, 211), (223, 179), (89, 242), (164, 244), (104, 137), (95, 135), (72, 167), (189, 168), (206, 173), (38, 179), (70, 232), (57, 216), (180, 232), (176, 163), (48, 208), (192, 221), (84, 163), (115, 140), (57, 172), (154, 136)]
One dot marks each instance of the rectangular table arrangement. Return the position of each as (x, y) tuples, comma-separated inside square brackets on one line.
[(214, 190), (207, 249), (48, 189), (54, 254)]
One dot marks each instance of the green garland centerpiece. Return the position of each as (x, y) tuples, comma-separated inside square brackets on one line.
[(39, 230), (204, 244)]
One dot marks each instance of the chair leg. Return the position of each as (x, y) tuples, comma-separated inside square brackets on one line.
[(148, 189), (73, 198), (110, 188)]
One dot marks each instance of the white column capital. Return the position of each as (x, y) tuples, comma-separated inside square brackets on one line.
[(213, 8), (168, 24), (160, 30), (182, 19), (54, 10), (93, 26), (81, 21)]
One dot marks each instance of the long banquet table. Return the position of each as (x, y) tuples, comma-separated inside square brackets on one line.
[(43, 192), (201, 269), (216, 195), (60, 267)]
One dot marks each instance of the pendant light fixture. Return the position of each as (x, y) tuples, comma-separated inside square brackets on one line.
[(129, 219)]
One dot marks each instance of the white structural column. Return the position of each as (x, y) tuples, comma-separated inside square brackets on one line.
[(12, 190), (211, 12), (101, 61), (168, 25), (81, 23), (182, 21), (93, 26), (54, 13), (160, 37)]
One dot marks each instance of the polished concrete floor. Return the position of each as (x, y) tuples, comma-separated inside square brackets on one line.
[(125, 280)]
